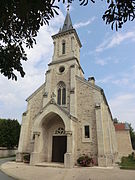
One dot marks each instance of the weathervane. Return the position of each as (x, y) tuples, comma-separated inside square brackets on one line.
[(68, 7)]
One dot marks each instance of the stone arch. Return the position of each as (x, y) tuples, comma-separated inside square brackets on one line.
[(49, 127), (51, 109), (44, 131)]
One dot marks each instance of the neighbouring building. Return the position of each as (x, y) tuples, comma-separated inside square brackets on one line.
[(123, 139), (68, 115)]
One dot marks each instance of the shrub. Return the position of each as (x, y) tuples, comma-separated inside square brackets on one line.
[(85, 160), (131, 156), (128, 162)]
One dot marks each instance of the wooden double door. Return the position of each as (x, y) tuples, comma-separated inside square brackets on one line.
[(59, 148)]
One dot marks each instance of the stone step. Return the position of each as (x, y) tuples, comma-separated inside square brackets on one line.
[(50, 164)]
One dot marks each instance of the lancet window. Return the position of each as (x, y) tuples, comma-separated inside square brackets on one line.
[(63, 47), (61, 93)]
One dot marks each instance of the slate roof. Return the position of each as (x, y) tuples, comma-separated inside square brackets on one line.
[(67, 23)]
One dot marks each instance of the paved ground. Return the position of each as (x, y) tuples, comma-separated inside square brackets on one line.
[(26, 172), (2, 175)]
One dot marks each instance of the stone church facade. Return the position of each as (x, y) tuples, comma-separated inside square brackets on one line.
[(68, 115)]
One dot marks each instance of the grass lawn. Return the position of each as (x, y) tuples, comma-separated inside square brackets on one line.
[(128, 162)]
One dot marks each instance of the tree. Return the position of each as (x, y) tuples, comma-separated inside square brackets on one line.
[(132, 135), (20, 21), (9, 133)]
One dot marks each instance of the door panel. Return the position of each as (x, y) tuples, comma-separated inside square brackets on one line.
[(59, 147)]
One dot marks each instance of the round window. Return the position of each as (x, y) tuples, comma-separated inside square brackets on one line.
[(61, 69)]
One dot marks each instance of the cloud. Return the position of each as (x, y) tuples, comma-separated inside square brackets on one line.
[(107, 60), (122, 81), (105, 79), (13, 94), (82, 24), (101, 62), (116, 80), (120, 110), (115, 40), (122, 101)]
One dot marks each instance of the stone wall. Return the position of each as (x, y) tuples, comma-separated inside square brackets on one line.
[(86, 116), (34, 107), (4, 152), (107, 144), (94, 111), (106, 138)]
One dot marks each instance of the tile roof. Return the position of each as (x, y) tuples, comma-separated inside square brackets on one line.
[(121, 126)]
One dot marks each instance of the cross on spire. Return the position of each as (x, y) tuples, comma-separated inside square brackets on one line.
[(68, 7)]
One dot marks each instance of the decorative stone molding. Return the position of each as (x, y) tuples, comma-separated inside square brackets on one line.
[(60, 131), (36, 133), (97, 105), (69, 133), (41, 111), (53, 95), (45, 94), (70, 31), (52, 101), (72, 91), (72, 66)]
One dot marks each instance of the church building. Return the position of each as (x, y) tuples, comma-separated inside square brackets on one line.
[(67, 116)]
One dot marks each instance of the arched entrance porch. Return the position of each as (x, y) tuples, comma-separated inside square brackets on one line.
[(53, 138), (46, 126)]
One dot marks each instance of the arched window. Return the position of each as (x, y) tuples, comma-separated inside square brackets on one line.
[(54, 47), (63, 47), (72, 44), (61, 93), (59, 96), (64, 95)]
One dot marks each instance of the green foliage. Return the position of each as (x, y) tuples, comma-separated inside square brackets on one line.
[(117, 13), (20, 21), (132, 135), (128, 167), (9, 133), (128, 162), (85, 160)]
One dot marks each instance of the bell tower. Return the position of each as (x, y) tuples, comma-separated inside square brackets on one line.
[(66, 42), (64, 67)]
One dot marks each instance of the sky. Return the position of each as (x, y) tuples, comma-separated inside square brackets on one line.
[(107, 55)]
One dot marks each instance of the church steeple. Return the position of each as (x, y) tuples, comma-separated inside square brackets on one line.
[(67, 23), (66, 42)]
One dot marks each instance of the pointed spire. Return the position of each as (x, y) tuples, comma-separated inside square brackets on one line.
[(67, 23)]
